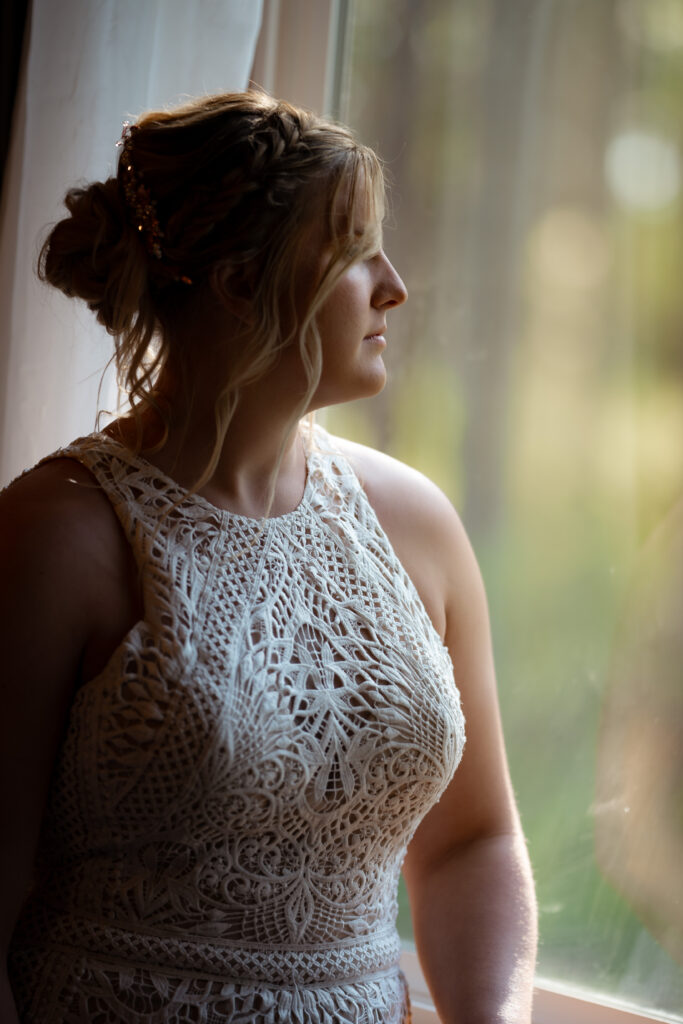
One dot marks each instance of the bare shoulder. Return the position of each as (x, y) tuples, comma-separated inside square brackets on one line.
[(64, 559), (404, 499), (61, 485), (54, 511), (396, 489), (423, 526), (44, 530)]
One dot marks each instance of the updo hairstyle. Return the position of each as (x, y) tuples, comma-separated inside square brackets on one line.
[(214, 194)]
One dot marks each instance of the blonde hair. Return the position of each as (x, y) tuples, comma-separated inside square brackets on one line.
[(235, 182)]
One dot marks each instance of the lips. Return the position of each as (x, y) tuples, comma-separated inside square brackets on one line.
[(376, 334)]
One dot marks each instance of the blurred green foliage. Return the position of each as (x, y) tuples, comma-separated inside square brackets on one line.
[(536, 375)]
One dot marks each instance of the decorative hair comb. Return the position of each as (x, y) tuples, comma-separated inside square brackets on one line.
[(138, 197)]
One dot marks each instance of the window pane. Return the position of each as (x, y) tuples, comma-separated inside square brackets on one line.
[(537, 375)]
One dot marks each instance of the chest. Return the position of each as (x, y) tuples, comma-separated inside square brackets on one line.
[(297, 683)]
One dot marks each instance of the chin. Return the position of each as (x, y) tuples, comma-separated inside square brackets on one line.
[(371, 384), (367, 388), (370, 380), (378, 384)]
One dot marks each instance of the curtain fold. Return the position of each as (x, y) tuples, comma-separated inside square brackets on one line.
[(90, 64), (12, 27)]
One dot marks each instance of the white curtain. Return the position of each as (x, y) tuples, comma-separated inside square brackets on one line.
[(89, 65)]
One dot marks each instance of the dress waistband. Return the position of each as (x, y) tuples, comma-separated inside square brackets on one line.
[(347, 960)]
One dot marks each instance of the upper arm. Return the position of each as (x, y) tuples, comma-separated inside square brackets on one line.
[(44, 624), (478, 802), (432, 544)]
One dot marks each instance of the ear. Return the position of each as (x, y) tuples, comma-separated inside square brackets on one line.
[(233, 288)]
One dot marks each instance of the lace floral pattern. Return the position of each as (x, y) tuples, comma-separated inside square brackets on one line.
[(237, 788)]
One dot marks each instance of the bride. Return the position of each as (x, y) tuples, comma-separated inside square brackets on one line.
[(239, 653)]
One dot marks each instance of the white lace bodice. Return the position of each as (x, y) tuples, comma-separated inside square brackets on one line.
[(236, 789)]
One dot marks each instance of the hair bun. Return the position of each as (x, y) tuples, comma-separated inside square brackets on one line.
[(94, 254)]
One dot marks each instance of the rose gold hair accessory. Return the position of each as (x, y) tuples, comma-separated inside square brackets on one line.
[(138, 198)]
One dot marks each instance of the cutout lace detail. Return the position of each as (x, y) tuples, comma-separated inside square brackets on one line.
[(235, 791)]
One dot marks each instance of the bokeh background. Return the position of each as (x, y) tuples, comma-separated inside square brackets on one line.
[(536, 373)]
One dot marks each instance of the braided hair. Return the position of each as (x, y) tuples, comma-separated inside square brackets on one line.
[(218, 191)]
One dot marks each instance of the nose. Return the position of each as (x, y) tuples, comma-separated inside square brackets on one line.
[(391, 290)]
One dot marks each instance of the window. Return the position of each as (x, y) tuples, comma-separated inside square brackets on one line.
[(537, 375)]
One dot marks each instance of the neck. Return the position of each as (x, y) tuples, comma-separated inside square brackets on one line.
[(262, 439)]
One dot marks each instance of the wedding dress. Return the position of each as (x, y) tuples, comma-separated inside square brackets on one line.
[(236, 789)]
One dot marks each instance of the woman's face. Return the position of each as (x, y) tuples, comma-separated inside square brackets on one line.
[(352, 322)]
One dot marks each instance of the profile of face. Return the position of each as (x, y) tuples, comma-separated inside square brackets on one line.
[(352, 322), (352, 319)]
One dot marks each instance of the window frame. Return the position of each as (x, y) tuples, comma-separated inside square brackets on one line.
[(554, 1003), (300, 52)]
